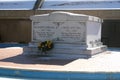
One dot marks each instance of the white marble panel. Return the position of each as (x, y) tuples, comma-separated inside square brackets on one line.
[(44, 31), (72, 32)]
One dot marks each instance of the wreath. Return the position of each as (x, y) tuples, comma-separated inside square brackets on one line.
[(45, 46)]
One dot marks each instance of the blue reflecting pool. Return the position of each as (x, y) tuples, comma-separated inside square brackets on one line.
[(4, 45), (56, 75)]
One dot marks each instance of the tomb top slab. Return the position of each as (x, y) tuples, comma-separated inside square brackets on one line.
[(64, 16)]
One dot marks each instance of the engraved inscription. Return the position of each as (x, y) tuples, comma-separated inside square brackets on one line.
[(44, 31), (71, 32), (65, 32)]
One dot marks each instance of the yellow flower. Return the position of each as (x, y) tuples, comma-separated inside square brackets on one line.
[(47, 45)]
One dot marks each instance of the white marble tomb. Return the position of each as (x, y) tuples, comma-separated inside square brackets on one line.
[(72, 34)]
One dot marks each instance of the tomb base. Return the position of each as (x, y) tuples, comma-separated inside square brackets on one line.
[(70, 50)]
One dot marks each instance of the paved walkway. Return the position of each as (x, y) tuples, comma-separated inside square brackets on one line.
[(104, 62)]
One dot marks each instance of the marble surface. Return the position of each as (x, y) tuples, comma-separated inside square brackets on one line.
[(71, 33)]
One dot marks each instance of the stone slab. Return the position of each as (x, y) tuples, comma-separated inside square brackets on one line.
[(69, 51)]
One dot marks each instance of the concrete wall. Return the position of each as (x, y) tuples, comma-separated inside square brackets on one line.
[(111, 33), (15, 30), (18, 14), (104, 14), (15, 26)]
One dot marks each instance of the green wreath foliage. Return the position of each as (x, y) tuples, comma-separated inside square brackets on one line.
[(45, 46)]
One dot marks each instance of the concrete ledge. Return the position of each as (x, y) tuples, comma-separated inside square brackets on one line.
[(75, 52)]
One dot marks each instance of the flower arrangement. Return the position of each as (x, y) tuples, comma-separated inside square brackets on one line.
[(45, 46)]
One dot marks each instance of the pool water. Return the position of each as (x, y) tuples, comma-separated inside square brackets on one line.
[(4, 45), (17, 74), (3, 78)]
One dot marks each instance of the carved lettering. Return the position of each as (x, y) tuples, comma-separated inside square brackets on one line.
[(71, 32), (43, 32), (65, 32)]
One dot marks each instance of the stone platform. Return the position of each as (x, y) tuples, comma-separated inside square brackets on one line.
[(104, 62), (72, 52)]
